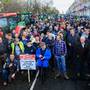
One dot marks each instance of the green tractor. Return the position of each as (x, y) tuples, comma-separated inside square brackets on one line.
[(25, 17)]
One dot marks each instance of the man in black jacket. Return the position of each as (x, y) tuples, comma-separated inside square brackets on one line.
[(82, 54), (2, 53)]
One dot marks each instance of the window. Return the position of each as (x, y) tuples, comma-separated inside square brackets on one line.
[(3, 22)]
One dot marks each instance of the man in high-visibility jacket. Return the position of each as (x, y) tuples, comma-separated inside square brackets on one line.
[(17, 47)]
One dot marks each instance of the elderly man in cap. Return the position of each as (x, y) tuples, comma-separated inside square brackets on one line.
[(82, 54), (43, 55)]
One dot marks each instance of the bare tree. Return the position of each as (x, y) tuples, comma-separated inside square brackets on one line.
[(34, 6), (10, 6)]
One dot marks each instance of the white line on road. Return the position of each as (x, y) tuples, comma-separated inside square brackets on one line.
[(34, 82)]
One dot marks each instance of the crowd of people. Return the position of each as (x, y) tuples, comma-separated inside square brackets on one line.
[(61, 46)]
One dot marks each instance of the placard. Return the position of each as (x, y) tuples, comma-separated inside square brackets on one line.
[(27, 62)]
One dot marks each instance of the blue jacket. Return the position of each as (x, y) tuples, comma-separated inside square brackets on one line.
[(47, 56)]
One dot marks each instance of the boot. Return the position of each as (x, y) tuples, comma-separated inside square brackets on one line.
[(66, 77)]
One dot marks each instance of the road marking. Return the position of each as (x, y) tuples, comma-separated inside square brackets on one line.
[(34, 82)]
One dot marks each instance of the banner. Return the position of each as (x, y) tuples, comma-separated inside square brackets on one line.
[(27, 62)]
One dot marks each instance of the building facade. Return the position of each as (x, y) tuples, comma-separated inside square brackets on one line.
[(80, 8)]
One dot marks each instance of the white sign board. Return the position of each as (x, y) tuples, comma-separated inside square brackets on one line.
[(27, 62)]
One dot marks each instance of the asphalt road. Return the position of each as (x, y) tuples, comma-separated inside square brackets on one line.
[(21, 83), (61, 84)]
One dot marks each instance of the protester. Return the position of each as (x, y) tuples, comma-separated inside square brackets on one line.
[(43, 55), (72, 39), (29, 48), (36, 44), (2, 52), (82, 52), (8, 40), (1, 32), (60, 51), (9, 69), (17, 47)]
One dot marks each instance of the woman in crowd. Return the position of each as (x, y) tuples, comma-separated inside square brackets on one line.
[(43, 55)]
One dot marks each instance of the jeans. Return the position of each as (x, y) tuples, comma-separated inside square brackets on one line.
[(5, 74), (18, 62), (61, 63)]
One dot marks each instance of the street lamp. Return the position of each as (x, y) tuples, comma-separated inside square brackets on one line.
[(28, 5), (85, 9)]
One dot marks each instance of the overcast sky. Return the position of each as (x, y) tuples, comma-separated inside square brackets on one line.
[(63, 5)]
